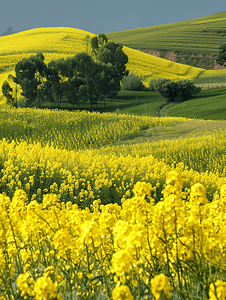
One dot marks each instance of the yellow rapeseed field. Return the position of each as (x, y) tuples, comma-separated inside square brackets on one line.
[(56, 42), (80, 219)]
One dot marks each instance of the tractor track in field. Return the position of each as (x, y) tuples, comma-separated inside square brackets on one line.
[(162, 112)]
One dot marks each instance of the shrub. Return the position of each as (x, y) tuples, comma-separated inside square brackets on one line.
[(132, 82), (186, 90), (166, 88), (152, 85), (174, 91)]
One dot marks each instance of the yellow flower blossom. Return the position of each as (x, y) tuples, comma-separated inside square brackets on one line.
[(45, 289), (26, 284), (217, 290), (159, 284), (122, 292)]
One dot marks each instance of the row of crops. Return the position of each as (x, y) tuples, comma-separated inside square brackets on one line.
[(82, 218)]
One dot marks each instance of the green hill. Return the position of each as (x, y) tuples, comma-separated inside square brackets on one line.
[(202, 35)]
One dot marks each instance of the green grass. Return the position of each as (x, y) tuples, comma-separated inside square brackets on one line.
[(128, 102), (139, 103), (197, 35), (210, 105), (178, 130)]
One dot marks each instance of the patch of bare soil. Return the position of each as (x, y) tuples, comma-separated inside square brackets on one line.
[(170, 55), (152, 52), (201, 60)]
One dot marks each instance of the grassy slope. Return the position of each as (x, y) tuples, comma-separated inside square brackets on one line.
[(139, 103), (187, 35), (178, 130), (210, 105), (128, 102)]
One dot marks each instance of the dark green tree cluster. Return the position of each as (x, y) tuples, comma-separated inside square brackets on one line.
[(221, 59), (174, 91), (77, 79)]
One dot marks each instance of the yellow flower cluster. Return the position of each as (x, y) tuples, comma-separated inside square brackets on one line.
[(160, 283), (38, 154), (83, 176), (73, 130), (218, 290), (53, 42), (60, 42), (137, 221), (174, 247), (150, 67)]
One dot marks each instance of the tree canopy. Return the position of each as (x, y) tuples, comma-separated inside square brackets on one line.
[(79, 78), (179, 91), (221, 59)]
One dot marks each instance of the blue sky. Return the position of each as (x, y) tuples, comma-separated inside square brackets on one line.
[(101, 15)]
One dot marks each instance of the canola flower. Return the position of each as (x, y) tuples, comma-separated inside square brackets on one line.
[(149, 67), (61, 42), (128, 222), (139, 250), (159, 284), (85, 176), (218, 290), (72, 130), (44, 151)]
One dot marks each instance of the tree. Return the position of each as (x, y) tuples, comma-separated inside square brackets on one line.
[(8, 31), (57, 77), (221, 59), (8, 93), (112, 53), (152, 85), (97, 42), (175, 91), (30, 73), (74, 91), (168, 90), (132, 82), (79, 78), (108, 84), (186, 90), (101, 80)]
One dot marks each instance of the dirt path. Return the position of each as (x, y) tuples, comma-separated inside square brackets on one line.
[(163, 111)]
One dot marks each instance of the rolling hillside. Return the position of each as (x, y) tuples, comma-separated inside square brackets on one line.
[(62, 42), (204, 34)]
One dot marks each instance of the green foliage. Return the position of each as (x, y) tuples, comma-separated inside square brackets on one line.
[(30, 73), (167, 89), (97, 42), (221, 59), (77, 79), (112, 53), (186, 90), (109, 52), (132, 82), (8, 93), (152, 85), (174, 91)]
